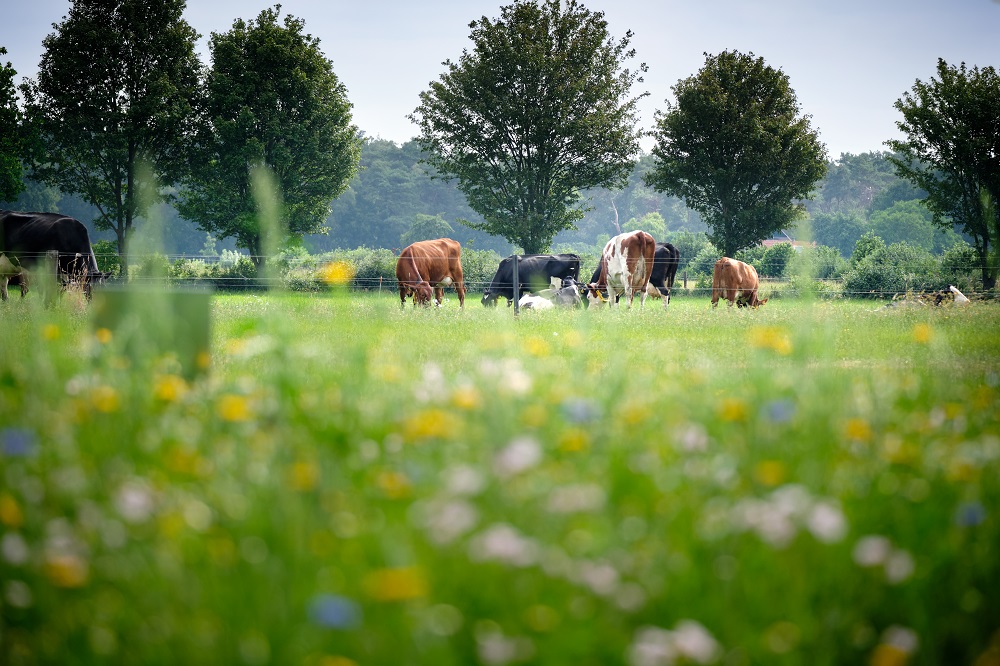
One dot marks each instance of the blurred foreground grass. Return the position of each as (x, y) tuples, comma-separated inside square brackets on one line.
[(356, 484)]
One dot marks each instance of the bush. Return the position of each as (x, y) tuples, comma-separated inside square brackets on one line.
[(108, 261), (479, 266), (240, 276), (960, 267), (704, 262), (895, 269), (155, 267)]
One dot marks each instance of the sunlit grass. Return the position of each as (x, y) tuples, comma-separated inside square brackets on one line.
[(355, 483)]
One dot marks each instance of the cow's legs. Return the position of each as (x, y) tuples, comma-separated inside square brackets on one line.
[(3, 287)]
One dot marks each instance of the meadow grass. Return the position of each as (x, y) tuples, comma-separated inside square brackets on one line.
[(812, 482)]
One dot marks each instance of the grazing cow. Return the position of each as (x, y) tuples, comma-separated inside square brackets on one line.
[(626, 263), (534, 271), (31, 237), (425, 268), (736, 282), (13, 274), (666, 259)]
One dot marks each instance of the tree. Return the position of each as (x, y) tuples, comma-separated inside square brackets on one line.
[(839, 229), (114, 92), (538, 110), (270, 99), (427, 227), (11, 142), (952, 150), (734, 148)]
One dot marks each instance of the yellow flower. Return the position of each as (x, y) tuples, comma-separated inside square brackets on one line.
[(771, 337), (397, 584), (337, 273), (888, 655), (466, 398), (50, 332), (203, 360), (103, 335), (537, 346), (574, 439), (68, 571), (770, 472), (10, 512), (922, 334), (105, 399), (429, 423), (733, 409), (169, 388), (303, 476), (395, 485), (858, 429), (335, 660), (233, 408), (534, 416), (634, 414)]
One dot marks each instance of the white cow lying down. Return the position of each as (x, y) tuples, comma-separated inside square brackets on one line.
[(565, 294)]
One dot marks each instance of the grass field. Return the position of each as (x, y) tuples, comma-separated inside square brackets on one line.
[(355, 484)]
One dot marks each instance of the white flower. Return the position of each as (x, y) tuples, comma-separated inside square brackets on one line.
[(134, 502), (695, 642), (902, 638), (463, 480), (447, 521), (871, 551), (600, 577), (431, 385), (521, 454), (503, 543), (14, 548), (827, 522), (577, 498), (653, 646), (899, 566), (692, 438)]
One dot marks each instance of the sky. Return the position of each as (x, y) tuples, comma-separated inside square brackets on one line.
[(847, 61)]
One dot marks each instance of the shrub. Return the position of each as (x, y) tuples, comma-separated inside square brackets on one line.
[(106, 253), (886, 271), (240, 276), (479, 266), (704, 262), (154, 267)]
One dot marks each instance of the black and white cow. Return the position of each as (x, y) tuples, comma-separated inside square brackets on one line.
[(665, 262), (534, 273), (31, 238)]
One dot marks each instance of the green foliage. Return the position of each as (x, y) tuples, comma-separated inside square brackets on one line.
[(12, 147), (734, 147), (106, 253), (776, 259), (652, 223), (154, 267), (112, 101), (885, 271), (427, 227), (839, 229), (952, 149), (689, 244), (960, 267), (703, 263), (271, 98), (905, 221), (868, 244), (536, 111)]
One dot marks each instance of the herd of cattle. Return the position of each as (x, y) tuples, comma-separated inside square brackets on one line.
[(632, 263)]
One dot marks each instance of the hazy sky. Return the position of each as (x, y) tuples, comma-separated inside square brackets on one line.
[(847, 61)]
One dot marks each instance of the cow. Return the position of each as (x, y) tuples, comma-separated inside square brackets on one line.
[(535, 302), (565, 294), (736, 282), (534, 271), (666, 259), (30, 238), (13, 274), (626, 263), (425, 268)]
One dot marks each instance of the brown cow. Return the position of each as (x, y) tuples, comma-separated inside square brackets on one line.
[(626, 264), (736, 282), (13, 273), (425, 268)]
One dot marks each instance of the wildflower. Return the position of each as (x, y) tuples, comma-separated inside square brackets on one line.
[(858, 429), (733, 409), (428, 424), (692, 438), (780, 411), (537, 346), (134, 502), (337, 273), (574, 439), (50, 332), (10, 511), (233, 408), (463, 480), (447, 521), (17, 594), (895, 648), (521, 454), (695, 642), (103, 335), (601, 577), (922, 334), (496, 649), (871, 551), (331, 611), (303, 476), (502, 543), (827, 522), (17, 442), (396, 584), (690, 640), (580, 410), (169, 388), (769, 472), (970, 514), (771, 337), (466, 397), (67, 570), (899, 566), (105, 399), (14, 549), (577, 498), (395, 485)]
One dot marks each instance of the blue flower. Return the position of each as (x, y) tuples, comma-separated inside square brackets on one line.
[(780, 411), (334, 612), (970, 514), (580, 410), (17, 442)]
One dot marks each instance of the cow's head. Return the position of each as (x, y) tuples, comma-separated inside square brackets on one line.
[(594, 294), (423, 294), (490, 300)]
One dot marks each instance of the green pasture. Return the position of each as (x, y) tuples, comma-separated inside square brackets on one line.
[(348, 483)]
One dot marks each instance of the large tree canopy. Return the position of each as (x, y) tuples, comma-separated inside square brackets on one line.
[(734, 147), (11, 143), (952, 150), (538, 110), (114, 91), (271, 99)]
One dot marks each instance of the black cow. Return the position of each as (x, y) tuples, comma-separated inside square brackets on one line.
[(33, 237), (661, 280), (534, 272)]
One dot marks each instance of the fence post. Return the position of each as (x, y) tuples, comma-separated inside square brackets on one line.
[(517, 285), (380, 285), (685, 280)]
